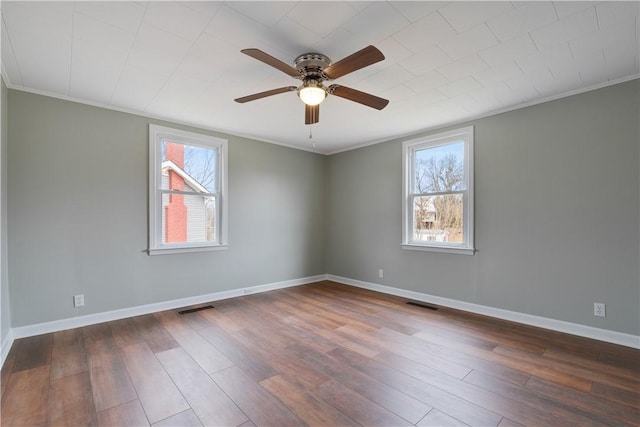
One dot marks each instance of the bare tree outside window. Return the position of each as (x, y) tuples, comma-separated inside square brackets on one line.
[(200, 162)]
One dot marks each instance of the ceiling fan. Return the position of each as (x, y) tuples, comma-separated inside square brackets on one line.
[(313, 69)]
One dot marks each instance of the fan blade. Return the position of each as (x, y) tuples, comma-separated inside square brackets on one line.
[(265, 94), (270, 60), (311, 114), (362, 58), (359, 97)]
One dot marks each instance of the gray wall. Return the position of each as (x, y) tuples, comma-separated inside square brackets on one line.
[(557, 214), (5, 308), (77, 198), (556, 221)]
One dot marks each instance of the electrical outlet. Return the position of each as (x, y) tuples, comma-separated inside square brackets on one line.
[(381, 273), (599, 309), (78, 300)]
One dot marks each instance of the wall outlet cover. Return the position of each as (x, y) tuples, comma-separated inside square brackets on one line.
[(78, 300)]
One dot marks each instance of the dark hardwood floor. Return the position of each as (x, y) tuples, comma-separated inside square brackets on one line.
[(323, 354)]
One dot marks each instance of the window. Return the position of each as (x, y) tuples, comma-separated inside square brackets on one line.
[(187, 191), (438, 192)]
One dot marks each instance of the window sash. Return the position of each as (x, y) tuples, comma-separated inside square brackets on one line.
[(411, 213), (187, 193), (193, 243), (190, 142)]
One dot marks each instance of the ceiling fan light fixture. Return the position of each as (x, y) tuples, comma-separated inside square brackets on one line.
[(312, 92)]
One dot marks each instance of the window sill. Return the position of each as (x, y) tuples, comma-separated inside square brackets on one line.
[(442, 249), (187, 249)]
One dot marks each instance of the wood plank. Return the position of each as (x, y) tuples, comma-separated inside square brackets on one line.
[(396, 401), (211, 405), (34, 352), (485, 330), (206, 355), (339, 339), (506, 422), (68, 356), (496, 403), (357, 407), (127, 414), (584, 376), (7, 367), (585, 401), (156, 337), (411, 383), (298, 331), (124, 332), (540, 369), (620, 356), (259, 405), (245, 358), (307, 405), (559, 340), (616, 394), (110, 382), (255, 314), (558, 410), (283, 360), (416, 349), (71, 401), (338, 310), (425, 357), (183, 419), (226, 318), (365, 314), (304, 330), (436, 418), (95, 334), (610, 371), (26, 398), (157, 393), (308, 313)]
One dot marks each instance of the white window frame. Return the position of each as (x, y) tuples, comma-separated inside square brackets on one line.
[(156, 135), (408, 149)]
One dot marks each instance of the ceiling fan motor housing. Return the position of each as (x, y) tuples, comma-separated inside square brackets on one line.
[(311, 65)]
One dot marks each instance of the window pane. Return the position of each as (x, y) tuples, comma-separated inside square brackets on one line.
[(188, 218), (438, 218), (439, 169), (188, 167)]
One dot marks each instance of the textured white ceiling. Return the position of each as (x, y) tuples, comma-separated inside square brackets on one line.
[(445, 61)]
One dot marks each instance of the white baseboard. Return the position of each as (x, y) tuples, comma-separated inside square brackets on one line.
[(6, 346), (527, 319), (107, 316)]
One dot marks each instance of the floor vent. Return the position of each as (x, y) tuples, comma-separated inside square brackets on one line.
[(194, 309), (423, 305)]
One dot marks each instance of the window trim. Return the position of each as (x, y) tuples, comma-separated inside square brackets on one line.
[(156, 135), (429, 141)]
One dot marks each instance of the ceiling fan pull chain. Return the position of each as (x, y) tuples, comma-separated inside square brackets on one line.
[(313, 144)]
